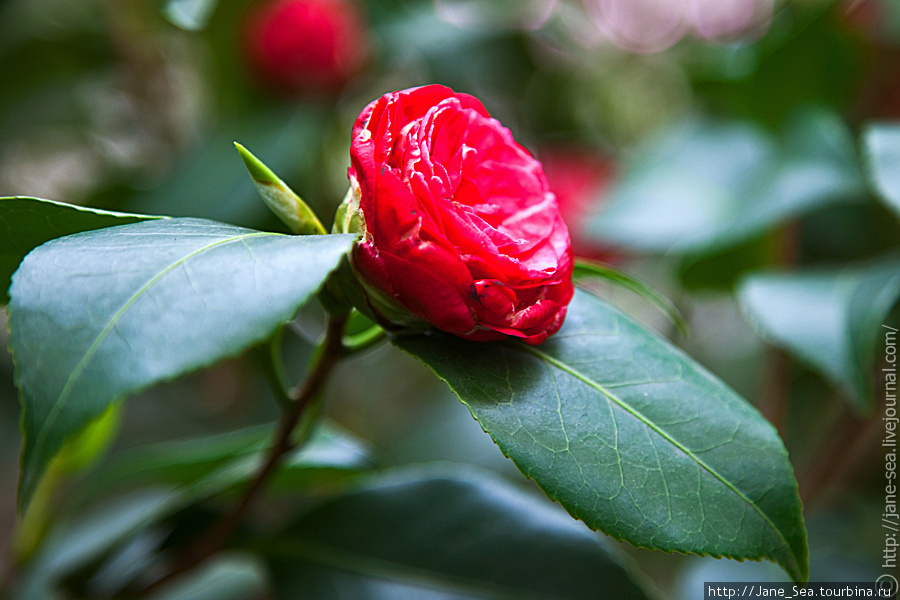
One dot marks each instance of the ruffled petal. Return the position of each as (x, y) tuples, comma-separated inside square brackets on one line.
[(461, 227)]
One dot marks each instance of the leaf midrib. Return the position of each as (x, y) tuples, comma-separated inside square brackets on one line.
[(79, 368), (638, 415)]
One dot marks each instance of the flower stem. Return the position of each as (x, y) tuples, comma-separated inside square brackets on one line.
[(273, 365), (218, 535), (364, 340), (775, 402)]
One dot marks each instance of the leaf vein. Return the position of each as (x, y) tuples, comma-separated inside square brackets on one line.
[(638, 415), (76, 373)]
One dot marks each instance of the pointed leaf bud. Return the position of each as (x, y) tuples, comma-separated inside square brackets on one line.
[(281, 199)]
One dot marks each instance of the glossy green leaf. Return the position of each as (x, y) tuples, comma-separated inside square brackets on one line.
[(828, 318), (631, 436), (26, 223), (99, 536), (89, 537), (100, 315), (881, 142), (76, 454), (180, 474), (711, 185), (226, 577), (439, 533), (234, 455)]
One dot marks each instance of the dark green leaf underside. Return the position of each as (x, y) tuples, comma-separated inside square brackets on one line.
[(234, 455), (442, 532), (631, 436), (707, 186), (196, 475), (26, 223), (882, 147), (828, 318), (100, 315)]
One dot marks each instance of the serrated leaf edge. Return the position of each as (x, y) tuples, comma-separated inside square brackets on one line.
[(23, 492), (61, 400), (800, 570), (638, 415)]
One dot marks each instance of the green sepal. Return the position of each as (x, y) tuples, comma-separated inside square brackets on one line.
[(281, 199), (348, 218)]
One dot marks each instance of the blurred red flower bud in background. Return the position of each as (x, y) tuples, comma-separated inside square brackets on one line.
[(296, 47), (580, 180), (879, 96)]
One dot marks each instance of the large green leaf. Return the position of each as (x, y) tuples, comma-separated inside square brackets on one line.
[(88, 538), (711, 185), (882, 147), (631, 436), (193, 471), (177, 482), (828, 318), (26, 223), (441, 533), (225, 577), (232, 458), (97, 316)]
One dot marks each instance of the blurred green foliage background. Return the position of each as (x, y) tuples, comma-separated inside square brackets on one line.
[(715, 149)]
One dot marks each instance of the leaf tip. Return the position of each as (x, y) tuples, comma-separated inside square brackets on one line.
[(258, 171)]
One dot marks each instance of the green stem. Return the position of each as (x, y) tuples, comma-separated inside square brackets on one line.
[(273, 365), (364, 340), (304, 397)]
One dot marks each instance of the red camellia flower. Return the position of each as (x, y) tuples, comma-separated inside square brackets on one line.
[(459, 227), (298, 46)]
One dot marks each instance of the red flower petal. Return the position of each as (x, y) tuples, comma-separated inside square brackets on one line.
[(461, 227)]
